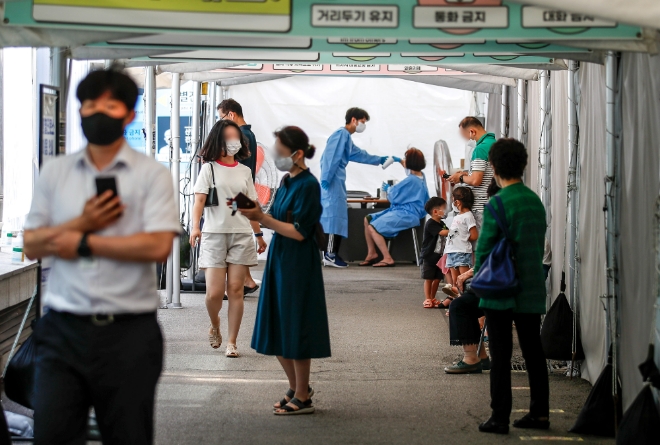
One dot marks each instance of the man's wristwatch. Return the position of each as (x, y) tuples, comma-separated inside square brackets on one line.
[(461, 179), (259, 235), (84, 251)]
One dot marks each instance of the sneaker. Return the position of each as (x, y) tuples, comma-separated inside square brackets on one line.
[(529, 422), (463, 368), (449, 290), (334, 260)]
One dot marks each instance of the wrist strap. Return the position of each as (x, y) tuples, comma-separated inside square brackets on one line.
[(259, 235)]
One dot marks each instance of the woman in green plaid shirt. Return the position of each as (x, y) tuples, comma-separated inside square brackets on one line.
[(525, 217)]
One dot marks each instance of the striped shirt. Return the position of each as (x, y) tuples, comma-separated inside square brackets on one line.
[(479, 163)]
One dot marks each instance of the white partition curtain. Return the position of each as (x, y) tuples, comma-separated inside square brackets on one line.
[(559, 159), (590, 218), (493, 114), (533, 135), (402, 114), (640, 181)]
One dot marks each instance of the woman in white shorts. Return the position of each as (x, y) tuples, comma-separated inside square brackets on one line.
[(227, 245)]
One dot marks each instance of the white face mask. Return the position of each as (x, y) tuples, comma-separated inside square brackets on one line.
[(361, 126), (233, 147), (454, 208), (285, 164)]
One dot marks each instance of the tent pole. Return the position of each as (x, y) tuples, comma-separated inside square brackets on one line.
[(546, 143), (572, 179), (504, 114), (522, 110), (150, 110), (486, 99), (611, 206), (176, 179), (210, 104), (194, 162)]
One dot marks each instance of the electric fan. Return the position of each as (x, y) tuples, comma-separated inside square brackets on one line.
[(265, 180), (442, 164)]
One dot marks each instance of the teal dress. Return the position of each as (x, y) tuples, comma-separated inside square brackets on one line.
[(292, 319)]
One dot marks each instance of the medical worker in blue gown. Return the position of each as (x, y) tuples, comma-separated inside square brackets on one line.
[(339, 150), (407, 200)]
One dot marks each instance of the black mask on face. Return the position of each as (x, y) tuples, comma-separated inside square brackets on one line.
[(101, 129)]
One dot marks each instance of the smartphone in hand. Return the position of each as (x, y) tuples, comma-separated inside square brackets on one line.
[(243, 202), (105, 183)]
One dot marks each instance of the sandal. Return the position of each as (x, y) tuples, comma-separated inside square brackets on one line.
[(368, 262), (384, 264), (428, 304), (290, 393), (215, 337), (232, 352), (305, 407), (449, 290), (441, 305)]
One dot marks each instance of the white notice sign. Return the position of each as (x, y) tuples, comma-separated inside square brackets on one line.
[(461, 17)]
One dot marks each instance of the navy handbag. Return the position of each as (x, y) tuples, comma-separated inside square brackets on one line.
[(497, 278)]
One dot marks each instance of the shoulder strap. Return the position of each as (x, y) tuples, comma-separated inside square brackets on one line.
[(212, 173), (499, 215)]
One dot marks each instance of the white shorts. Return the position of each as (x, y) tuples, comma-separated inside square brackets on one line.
[(219, 249)]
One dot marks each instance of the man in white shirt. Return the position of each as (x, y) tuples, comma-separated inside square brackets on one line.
[(99, 343)]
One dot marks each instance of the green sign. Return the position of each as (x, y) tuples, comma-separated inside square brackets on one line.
[(492, 20)]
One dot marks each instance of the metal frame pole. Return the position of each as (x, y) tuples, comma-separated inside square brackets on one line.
[(504, 127), (546, 143), (611, 206), (572, 181), (150, 110), (522, 111), (176, 179), (211, 104), (194, 163)]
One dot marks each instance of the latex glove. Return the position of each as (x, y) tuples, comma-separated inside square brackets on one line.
[(385, 187), (325, 185), (396, 159), (383, 159)]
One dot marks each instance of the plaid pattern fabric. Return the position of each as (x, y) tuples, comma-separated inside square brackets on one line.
[(526, 218)]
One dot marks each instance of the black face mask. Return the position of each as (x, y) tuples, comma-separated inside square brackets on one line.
[(101, 129)]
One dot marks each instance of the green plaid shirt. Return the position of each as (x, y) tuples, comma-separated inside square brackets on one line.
[(526, 218)]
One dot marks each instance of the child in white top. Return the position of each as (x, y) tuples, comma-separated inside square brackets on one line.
[(462, 233)]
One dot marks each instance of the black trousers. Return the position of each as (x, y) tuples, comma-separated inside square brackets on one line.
[(464, 314), (334, 242), (113, 368), (500, 338)]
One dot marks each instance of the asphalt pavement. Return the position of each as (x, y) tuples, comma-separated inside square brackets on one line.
[(384, 383)]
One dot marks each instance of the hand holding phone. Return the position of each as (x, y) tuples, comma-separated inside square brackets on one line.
[(105, 183), (103, 209)]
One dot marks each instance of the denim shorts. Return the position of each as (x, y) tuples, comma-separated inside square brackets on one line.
[(455, 260)]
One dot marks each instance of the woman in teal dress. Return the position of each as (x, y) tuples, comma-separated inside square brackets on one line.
[(292, 319)]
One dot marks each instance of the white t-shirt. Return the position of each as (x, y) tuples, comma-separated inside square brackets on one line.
[(459, 234), (230, 180)]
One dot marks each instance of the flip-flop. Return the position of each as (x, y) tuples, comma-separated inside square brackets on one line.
[(368, 262), (250, 290), (384, 264)]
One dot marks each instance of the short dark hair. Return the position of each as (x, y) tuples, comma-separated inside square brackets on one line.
[(295, 139), (228, 105), (465, 195), (120, 86), (470, 121), (434, 203), (508, 158), (415, 160), (215, 145), (493, 188), (357, 113)]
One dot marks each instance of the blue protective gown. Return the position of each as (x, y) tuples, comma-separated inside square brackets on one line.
[(339, 150), (407, 200)]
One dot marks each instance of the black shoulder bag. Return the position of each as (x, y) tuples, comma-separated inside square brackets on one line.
[(212, 196)]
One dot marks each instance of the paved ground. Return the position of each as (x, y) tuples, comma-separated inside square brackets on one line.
[(383, 385)]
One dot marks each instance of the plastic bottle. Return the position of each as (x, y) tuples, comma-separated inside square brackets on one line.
[(8, 240), (17, 255)]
